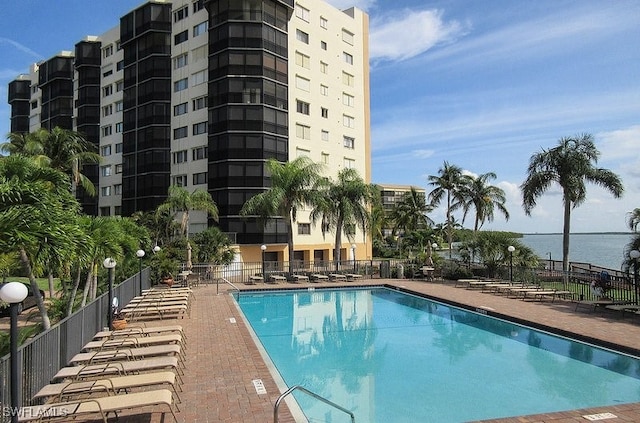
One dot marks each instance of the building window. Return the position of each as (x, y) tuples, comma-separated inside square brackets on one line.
[(348, 121), (347, 37), (348, 163), (181, 37), (199, 53), (301, 152), (120, 65), (199, 178), (323, 22), (107, 73), (34, 104), (200, 103), (107, 91), (107, 51), (180, 61), (303, 83), (302, 107), (199, 77), (180, 109), (324, 112), (105, 150), (200, 128), (180, 156), (347, 99), (119, 148), (324, 135), (200, 153), (119, 107), (181, 132), (180, 14), (106, 130), (324, 158), (347, 79), (302, 13), (323, 45), (324, 90), (302, 36), (180, 85), (304, 228), (348, 142), (303, 60), (119, 86), (198, 5), (107, 110), (118, 127), (201, 28), (105, 170), (105, 191), (117, 189), (118, 168), (347, 57), (105, 211), (180, 180), (303, 131), (324, 67), (117, 210)]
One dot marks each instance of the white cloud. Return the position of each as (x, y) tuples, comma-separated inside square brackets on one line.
[(422, 154), (410, 33), (622, 143)]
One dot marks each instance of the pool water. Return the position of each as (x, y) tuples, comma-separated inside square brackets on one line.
[(393, 357)]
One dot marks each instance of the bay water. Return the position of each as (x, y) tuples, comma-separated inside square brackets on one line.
[(601, 249)]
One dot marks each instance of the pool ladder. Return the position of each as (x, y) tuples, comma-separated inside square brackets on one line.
[(314, 395)]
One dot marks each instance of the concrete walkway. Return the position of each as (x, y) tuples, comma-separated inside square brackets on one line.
[(223, 362)]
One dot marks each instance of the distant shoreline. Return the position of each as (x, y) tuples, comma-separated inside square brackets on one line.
[(580, 233)]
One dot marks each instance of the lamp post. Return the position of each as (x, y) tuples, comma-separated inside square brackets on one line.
[(109, 264), (511, 249), (156, 249), (635, 254), (140, 255), (353, 254), (550, 265), (14, 293), (263, 248)]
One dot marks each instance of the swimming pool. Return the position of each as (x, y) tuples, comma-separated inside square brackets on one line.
[(394, 357)]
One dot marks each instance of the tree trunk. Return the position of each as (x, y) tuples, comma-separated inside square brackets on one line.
[(87, 285), (74, 292), (449, 227), (26, 264), (565, 240), (52, 290), (336, 247), (290, 240)]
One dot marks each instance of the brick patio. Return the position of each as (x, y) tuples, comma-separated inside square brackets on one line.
[(222, 359)]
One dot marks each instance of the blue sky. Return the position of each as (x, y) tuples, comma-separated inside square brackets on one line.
[(480, 84)]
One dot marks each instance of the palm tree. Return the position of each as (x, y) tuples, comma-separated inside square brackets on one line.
[(411, 212), (61, 149), (634, 219), (570, 165), (179, 200), (484, 198), (36, 209), (345, 207), (447, 183), (294, 185)]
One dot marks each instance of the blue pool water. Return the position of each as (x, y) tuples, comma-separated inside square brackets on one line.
[(394, 357)]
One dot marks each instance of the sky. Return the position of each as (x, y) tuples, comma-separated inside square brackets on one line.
[(482, 85)]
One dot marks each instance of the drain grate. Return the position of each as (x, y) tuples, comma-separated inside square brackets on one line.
[(232, 319), (600, 416), (260, 389)]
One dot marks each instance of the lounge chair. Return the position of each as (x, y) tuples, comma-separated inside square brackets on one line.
[(134, 341), (300, 278), (139, 331), (255, 278), (353, 276), (277, 278), (624, 308), (64, 391), (317, 277), (128, 354), (337, 276), (594, 304), (102, 406), (158, 311), (120, 368)]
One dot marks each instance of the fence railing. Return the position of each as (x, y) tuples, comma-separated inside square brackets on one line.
[(41, 357)]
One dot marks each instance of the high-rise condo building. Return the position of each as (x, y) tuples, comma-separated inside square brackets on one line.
[(200, 94)]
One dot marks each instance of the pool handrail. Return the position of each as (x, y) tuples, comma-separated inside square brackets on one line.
[(314, 395), (226, 281)]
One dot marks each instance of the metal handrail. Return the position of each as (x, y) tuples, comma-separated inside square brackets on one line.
[(314, 395), (226, 281)]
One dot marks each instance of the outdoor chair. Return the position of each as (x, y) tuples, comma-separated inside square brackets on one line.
[(65, 411)]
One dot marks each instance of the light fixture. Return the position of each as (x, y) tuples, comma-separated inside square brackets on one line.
[(14, 293), (140, 254), (109, 264), (511, 249)]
